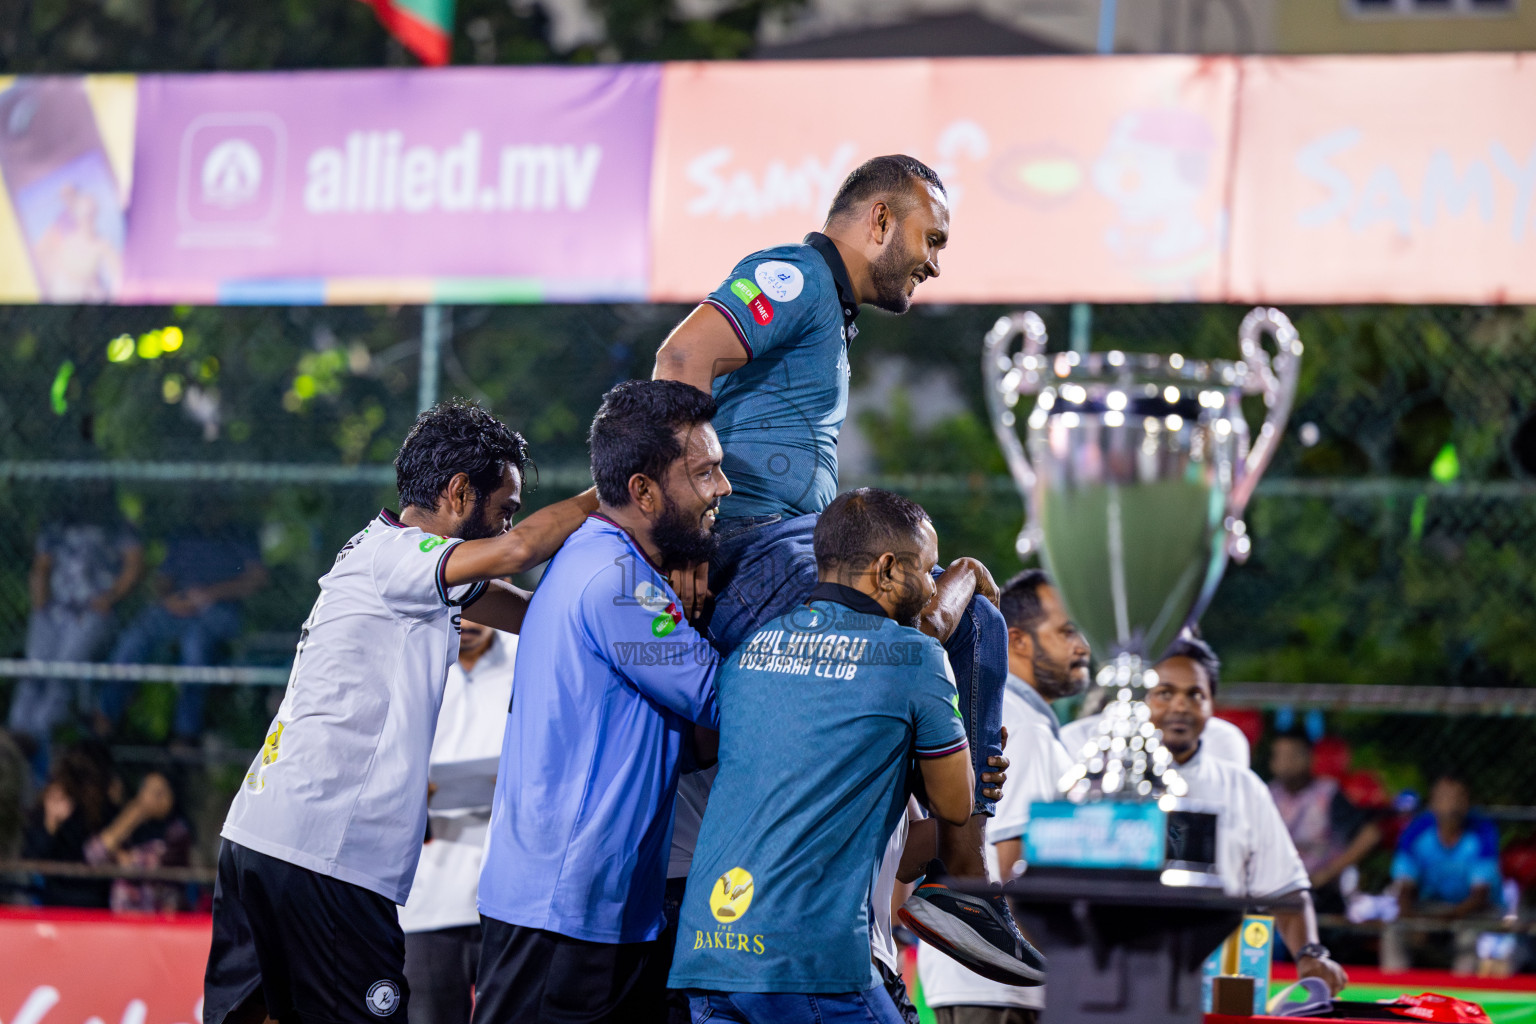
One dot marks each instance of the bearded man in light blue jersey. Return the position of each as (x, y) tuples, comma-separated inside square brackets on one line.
[(771, 343)]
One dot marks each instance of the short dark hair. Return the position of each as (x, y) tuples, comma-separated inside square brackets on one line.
[(882, 177), (456, 436), (635, 431), (861, 525), (1199, 652), (1020, 600), (1294, 733)]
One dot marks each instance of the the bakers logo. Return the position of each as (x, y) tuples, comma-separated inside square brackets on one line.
[(731, 895)]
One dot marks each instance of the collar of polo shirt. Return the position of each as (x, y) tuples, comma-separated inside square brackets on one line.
[(828, 250), (849, 597)]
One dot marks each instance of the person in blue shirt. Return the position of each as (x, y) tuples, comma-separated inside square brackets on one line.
[(822, 710), (613, 683), (771, 343), (1446, 865)]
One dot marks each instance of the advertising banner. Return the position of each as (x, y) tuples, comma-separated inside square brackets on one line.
[(463, 185), (1386, 179), (66, 161), (78, 967), (1069, 178)]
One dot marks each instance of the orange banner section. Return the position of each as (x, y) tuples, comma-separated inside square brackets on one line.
[(1069, 178), (76, 967), (1396, 179)]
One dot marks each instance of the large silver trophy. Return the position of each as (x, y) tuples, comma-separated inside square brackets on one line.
[(1135, 470)]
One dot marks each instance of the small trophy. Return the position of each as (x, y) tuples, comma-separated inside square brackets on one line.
[(1136, 474)]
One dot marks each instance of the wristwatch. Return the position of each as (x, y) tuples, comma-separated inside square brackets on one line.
[(1315, 950)]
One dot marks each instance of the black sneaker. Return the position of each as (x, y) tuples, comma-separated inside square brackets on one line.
[(977, 931)]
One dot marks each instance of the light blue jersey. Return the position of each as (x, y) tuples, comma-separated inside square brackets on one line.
[(792, 309), (610, 679)]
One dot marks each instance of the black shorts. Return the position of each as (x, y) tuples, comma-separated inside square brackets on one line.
[(316, 949), (530, 976)]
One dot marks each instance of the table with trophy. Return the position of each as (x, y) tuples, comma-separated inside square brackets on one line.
[(1136, 469)]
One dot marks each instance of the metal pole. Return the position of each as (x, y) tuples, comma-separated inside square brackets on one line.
[(431, 355), (1082, 326), (1106, 38), (1082, 313)]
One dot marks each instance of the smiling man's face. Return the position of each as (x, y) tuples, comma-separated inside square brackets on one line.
[(911, 254)]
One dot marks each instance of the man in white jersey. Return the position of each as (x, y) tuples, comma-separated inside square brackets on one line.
[(1255, 856), (1047, 660), (441, 920), (323, 836)]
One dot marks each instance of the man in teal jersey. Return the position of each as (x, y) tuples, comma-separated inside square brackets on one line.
[(771, 343), (821, 713)]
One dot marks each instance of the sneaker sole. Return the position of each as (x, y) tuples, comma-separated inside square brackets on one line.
[(951, 937)]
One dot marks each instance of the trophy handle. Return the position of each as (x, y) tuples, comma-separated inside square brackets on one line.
[(1000, 373), (1279, 376)]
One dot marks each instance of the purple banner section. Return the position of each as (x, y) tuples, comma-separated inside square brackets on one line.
[(509, 184)]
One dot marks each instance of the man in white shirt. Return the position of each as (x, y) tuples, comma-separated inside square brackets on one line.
[(1221, 739), (1254, 853), (440, 920), (1047, 660), (324, 835)]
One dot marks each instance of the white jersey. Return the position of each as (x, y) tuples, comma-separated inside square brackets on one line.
[(340, 785), (1220, 739), (1255, 855), (1037, 760), (470, 728)]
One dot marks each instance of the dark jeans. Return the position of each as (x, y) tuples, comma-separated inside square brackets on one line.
[(440, 966), (766, 566), (872, 1006), (196, 636), (672, 906)]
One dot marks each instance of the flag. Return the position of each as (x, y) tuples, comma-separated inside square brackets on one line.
[(424, 26)]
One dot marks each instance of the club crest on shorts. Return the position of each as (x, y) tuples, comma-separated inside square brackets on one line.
[(383, 998)]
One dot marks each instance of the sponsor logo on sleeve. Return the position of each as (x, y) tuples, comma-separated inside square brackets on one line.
[(432, 542), (762, 310), (783, 281), (667, 621), (651, 597), (745, 290), (954, 702)]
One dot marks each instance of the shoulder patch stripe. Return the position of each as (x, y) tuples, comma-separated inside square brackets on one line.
[(741, 335), (442, 572), (943, 751)]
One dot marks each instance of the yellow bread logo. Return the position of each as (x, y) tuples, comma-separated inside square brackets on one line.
[(731, 895), (1256, 934)]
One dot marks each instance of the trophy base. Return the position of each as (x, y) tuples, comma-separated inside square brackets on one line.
[(1171, 841)]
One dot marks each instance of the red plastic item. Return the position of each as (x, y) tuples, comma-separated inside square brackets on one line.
[(1432, 1007), (1250, 722), (1519, 862), (1365, 790), (1330, 757)]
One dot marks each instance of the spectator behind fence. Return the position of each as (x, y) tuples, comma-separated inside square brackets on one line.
[(83, 566), (1446, 865), (72, 808), (207, 572), (440, 919), (1330, 833), (150, 832)]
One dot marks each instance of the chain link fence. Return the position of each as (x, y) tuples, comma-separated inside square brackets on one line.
[(1394, 535)]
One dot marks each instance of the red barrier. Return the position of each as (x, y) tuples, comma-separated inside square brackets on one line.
[(96, 967)]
